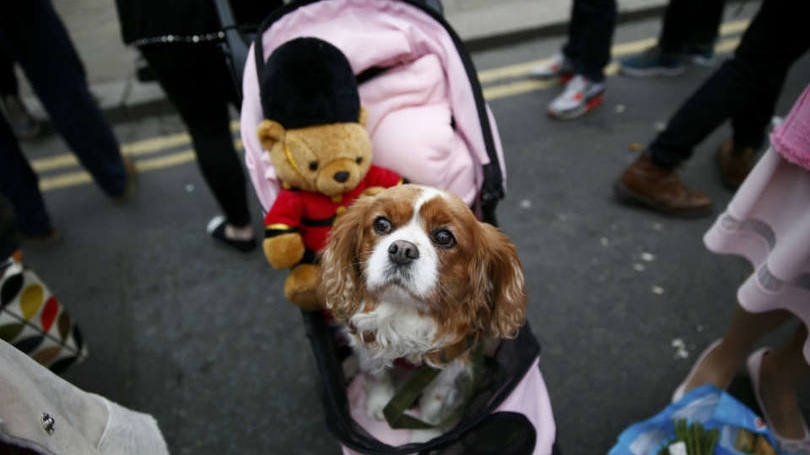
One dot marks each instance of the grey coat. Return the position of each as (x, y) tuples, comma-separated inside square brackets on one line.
[(43, 412)]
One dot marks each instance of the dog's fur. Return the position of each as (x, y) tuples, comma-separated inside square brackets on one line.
[(429, 305)]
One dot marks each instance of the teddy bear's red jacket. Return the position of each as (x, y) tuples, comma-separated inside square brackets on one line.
[(311, 214)]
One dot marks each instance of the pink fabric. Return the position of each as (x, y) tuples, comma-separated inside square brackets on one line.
[(792, 138), (529, 398), (410, 106), (768, 222)]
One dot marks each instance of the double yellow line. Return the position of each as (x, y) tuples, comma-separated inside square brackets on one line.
[(144, 148)]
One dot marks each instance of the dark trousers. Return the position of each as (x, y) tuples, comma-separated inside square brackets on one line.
[(690, 23), (8, 81), (590, 34), (744, 89), (8, 234), (197, 82), (37, 40)]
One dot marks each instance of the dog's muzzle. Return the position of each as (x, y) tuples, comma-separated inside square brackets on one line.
[(403, 252)]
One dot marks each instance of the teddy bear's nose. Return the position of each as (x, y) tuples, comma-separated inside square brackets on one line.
[(341, 176)]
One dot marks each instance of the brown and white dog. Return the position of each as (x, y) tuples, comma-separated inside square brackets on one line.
[(414, 275)]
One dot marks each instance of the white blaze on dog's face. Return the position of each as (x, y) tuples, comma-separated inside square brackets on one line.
[(405, 258), (420, 247)]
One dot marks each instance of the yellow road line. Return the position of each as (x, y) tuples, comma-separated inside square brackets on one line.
[(619, 50), (143, 165), (159, 144), (138, 148), (522, 69), (525, 86)]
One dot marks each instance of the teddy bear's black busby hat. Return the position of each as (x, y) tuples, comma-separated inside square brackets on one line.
[(307, 81)]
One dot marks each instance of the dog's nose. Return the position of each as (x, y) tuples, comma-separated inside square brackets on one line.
[(403, 252), (341, 176)]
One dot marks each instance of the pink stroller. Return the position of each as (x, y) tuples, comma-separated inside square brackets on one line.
[(428, 121)]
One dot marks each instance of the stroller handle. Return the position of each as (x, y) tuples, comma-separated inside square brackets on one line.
[(235, 47)]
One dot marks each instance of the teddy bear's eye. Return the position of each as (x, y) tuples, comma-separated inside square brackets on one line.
[(313, 165), (359, 160)]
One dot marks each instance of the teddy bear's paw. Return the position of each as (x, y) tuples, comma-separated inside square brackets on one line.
[(301, 287), (284, 251)]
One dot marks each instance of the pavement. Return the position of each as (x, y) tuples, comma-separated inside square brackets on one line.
[(93, 26), (621, 299)]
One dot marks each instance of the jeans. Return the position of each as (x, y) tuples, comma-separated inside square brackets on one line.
[(590, 34), (690, 23), (744, 89), (37, 40)]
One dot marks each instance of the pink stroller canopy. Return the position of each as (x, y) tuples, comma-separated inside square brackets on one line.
[(423, 119)]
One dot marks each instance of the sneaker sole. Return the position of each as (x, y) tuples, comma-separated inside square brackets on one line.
[(590, 105), (627, 196), (651, 72)]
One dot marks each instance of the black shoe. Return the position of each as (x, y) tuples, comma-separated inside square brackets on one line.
[(216, 229)]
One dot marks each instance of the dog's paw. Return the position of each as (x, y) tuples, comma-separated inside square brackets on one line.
[(420, 436), (378, 394), (438, 403)]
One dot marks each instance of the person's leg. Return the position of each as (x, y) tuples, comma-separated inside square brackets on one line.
[(596, 22), (38, 41), (8, 81), (779, 376), (737, 156), (719, 366), (19, 184), (573, 45), (768, 45), (678, 19), (197, 83), (8, 231), (24, 125), (703, 34), (768, 64)]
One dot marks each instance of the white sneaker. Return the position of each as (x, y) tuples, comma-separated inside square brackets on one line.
[(579, 97), (556, 66)]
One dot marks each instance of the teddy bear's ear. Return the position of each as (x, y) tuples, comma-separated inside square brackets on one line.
[(363, 116), (270, 133)]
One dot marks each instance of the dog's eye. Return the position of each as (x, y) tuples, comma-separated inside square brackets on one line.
[(382, 225), (359, 160), (313, 165), (444, 238)]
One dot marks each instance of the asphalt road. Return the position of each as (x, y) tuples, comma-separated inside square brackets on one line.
[(201, 338)]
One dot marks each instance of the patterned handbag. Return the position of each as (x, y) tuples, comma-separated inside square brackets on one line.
[(34, 321)]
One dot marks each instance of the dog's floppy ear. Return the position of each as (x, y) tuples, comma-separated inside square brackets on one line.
[(497, 278), (340, 286)]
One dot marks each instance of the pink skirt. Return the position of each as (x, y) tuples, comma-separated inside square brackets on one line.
[(768, 223)]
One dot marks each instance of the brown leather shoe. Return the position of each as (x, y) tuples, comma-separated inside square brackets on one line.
[(734, 164), (660, 189)]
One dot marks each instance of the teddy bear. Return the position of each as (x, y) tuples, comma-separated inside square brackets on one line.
[(313, 131)]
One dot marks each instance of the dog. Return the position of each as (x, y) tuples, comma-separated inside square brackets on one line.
[(413, 275)]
